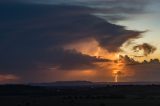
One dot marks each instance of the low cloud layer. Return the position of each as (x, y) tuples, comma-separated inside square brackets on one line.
[(7, 78), (127, 60), (131, 61)]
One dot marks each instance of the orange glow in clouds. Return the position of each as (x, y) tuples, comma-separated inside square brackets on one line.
[(118, 70), (4, 78), (91, 47)]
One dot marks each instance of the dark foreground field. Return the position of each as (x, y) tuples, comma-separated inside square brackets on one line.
[(110, 95)]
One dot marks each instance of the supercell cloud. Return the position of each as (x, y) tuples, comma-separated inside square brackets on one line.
[(33, 35)]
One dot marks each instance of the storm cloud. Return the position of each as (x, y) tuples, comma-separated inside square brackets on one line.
[(146, 71), (32, 37), (110, 10)]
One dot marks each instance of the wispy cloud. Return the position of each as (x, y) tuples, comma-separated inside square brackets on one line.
[(146, 48)]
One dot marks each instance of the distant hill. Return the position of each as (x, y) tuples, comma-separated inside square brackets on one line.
[(89, 83), (65, 83)]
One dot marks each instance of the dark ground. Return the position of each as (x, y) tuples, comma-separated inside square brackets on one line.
[(109, 95)]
